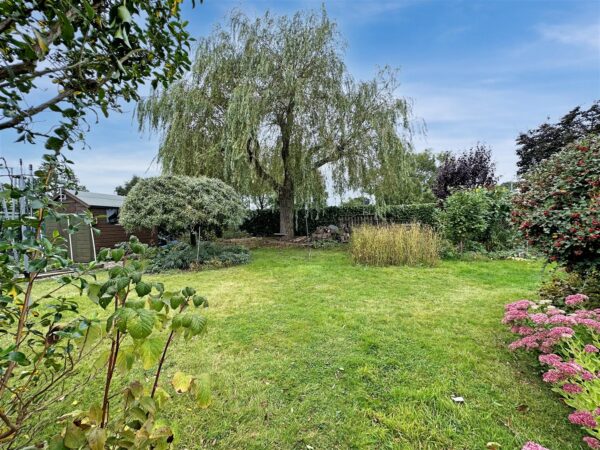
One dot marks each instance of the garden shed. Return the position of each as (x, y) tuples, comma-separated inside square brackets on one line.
[(84, 244)]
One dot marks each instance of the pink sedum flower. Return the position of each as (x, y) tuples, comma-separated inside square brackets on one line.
[(583, 418), (550, 359), (590, 348), (572, 388), (533, 446), (591, 442), (575, 299)]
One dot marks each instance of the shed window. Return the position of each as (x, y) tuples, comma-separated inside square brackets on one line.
[(112, 215)]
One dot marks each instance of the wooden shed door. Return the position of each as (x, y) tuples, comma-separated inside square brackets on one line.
[(79, 244)]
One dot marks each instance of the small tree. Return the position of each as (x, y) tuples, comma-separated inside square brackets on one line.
[(177, 204), (542, 142), (126, 187), (468, 170), (557, 207)]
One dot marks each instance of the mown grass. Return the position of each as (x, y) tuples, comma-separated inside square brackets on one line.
[(307, 350)]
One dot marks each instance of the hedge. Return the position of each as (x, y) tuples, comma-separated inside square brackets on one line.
[(266, 222)]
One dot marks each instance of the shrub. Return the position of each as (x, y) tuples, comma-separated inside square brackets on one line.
[(266, 222), (569, 345), (562, 284), (478, 219), (412, 244), (176, 204), (557, 207), (182, 256)]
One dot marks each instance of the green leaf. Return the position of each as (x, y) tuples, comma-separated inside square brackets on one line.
[(161, 396), (117, 254), (199, 300), (141, 323), (203, 394), (124, 14), (96, 438), (182, 382), (54, 143), (142, 289), (95, 413), (188, 291), (125, 358), (102, 359), (93, 292), (19, 358), (66, 27), (56, 443), (177, 300), (150, 352), (74, 436)]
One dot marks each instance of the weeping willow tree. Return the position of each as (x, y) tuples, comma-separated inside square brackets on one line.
[(269, 106)]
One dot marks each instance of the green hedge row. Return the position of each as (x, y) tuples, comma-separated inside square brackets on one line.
[(266, 222)]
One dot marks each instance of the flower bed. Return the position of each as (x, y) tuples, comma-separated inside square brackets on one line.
[(568, 342)]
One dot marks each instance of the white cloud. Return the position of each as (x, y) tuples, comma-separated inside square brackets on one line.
[(576, 34)]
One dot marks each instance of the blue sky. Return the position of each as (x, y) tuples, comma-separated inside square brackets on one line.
[(475, 70)]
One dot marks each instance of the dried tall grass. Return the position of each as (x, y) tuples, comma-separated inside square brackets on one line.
[(395, 245)]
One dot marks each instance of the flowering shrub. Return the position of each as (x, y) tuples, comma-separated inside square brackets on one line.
[(569, 344), (557, 208)]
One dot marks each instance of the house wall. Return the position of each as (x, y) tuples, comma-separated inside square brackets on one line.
[(111, 234)]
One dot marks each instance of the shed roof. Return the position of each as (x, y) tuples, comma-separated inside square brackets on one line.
[(96, 199)]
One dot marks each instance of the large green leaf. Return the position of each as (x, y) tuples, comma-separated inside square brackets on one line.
[(141, 323), (143, 288), (150, 352)]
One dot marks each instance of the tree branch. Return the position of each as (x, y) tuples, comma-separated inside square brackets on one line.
[(253, 160), (36, 109)]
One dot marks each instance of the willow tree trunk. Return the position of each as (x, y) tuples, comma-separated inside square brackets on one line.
[(286, 208)]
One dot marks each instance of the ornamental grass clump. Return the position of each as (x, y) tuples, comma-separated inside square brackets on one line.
[(395, 245), (568, 341)]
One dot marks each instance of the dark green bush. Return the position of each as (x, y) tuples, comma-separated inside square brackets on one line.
[(183, 256), (266, 222)]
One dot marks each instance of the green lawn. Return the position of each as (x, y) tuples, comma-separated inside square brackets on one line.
[(308, 351)]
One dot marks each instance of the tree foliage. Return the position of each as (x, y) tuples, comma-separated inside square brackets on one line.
[(542, 142), (124, 189), (93, 54), (269, 103), (558, 206), (176, 204), (468, 170), (61, 177), (475, 219)]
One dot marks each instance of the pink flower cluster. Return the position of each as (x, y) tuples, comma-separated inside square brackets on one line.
[(562, 371), (575, 299), (583, 418), (591, 442), (544, 329), (533, 446)]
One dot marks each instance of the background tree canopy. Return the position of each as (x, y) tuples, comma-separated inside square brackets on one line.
[(542, 142), (177, 204), (269, 103), (470, 169)]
